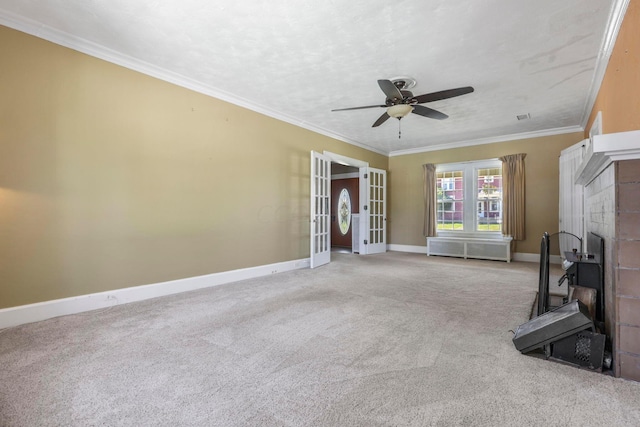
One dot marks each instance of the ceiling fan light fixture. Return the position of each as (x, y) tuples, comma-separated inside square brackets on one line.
[(399, 111)]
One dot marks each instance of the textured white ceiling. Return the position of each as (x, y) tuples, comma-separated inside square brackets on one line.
[(298, 59)]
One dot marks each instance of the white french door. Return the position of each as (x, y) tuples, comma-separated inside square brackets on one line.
[(373, 210), (320, 235), (571, 204)]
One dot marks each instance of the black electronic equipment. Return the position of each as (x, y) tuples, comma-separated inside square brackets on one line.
[(552, 326)]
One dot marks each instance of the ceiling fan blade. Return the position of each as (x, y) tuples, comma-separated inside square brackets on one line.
[(390, 89), (421, 110), (383, 118), (443, 94), (359, 108)]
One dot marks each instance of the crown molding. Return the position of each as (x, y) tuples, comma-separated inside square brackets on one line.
[(490, 140), (614, 23), (62, 38), (65, 39)]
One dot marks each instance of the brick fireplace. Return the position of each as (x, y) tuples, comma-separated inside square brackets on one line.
[(626, 266), (612, 210)]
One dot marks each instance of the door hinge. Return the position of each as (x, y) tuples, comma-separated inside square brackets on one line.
[(366, 175), (365, 207), (366, 242)]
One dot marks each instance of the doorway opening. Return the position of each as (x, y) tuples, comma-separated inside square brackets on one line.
[(345, 207), (368, 234)]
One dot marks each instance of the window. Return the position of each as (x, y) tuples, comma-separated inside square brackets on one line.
[(450, 199), (469, 197), (490, 196), (344, 211)]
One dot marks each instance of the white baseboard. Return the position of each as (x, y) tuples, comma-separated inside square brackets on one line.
[(29, 313), (553, 259), (408, 248), (517, 256)]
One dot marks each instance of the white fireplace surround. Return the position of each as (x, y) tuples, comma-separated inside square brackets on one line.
[(605, 149)]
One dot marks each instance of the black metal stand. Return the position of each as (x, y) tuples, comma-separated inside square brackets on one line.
[(568, 333)]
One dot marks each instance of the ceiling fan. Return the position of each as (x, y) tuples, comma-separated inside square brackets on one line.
[(400, 101)]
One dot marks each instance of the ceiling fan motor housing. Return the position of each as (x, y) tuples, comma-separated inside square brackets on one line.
[(407, 98)]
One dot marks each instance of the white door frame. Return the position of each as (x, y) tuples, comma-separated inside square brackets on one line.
[(362, 166), (344, 160)]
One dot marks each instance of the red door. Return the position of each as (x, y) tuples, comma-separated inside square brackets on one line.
[(351, 185)]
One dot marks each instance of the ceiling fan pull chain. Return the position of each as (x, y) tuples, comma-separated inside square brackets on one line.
[(399, 127)]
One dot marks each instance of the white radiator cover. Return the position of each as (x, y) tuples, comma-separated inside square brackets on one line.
[(471, 247)]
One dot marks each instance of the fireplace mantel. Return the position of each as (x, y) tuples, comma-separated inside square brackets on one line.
[(605, 149)]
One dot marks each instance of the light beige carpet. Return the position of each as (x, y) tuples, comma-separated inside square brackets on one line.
[(384, 340)]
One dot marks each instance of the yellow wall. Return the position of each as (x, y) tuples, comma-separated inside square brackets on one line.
[(110, 178), (541, 167), (619, 95)]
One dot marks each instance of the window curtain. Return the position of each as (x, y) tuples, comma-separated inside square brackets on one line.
[(513, 197), (429, 172)]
